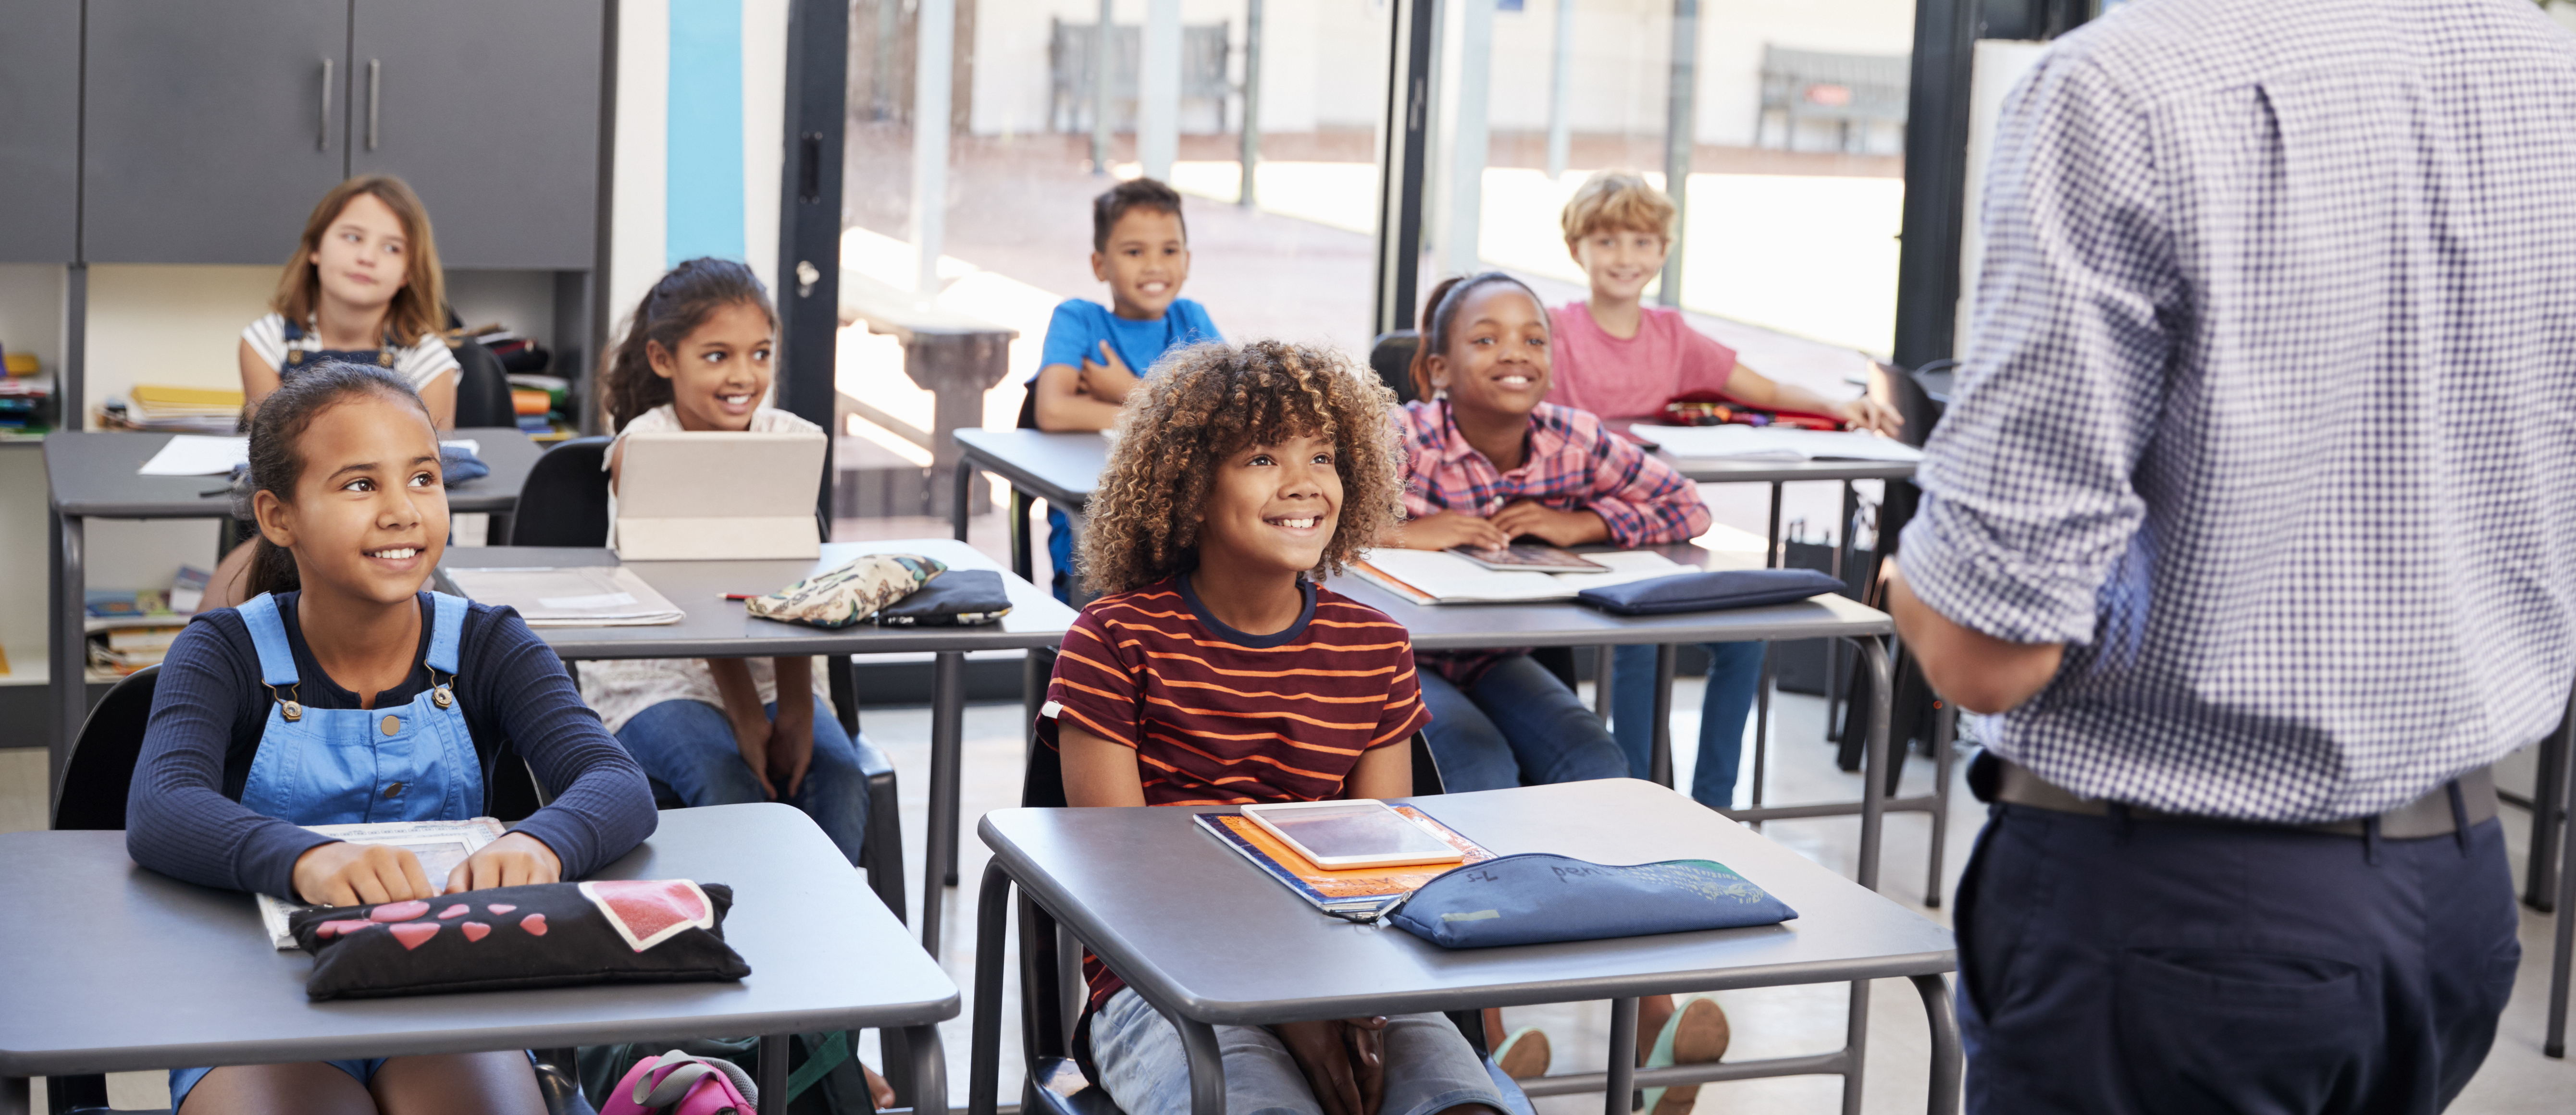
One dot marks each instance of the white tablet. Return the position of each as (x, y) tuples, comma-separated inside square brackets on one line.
[(1362, 832), (719, 495)]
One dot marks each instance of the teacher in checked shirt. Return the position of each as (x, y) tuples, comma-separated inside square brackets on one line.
[(2250, 529)]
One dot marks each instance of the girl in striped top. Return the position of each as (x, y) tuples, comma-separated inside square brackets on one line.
[(1217, 670)]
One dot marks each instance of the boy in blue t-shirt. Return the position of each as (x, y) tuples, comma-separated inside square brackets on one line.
[(1094, 355)]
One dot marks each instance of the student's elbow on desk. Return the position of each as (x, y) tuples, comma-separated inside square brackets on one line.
[(1976, 671), (1061, 405)]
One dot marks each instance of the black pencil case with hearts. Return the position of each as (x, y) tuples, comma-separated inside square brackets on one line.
[(547, 935)]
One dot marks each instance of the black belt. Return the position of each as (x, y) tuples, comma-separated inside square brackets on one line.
[(2469, 800)]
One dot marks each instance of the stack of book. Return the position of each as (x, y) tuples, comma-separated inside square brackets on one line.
[(528, 390), (119, 651), (178, 410), (131, 630)]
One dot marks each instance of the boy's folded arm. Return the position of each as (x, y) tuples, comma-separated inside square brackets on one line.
[(603, 806), (1062, 406)]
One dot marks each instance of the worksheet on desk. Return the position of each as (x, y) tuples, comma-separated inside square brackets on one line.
[(211, 455)]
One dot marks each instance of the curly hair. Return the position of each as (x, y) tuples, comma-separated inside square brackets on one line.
[(1203, 405)]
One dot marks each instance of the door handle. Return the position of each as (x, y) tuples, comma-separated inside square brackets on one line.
[(375, 96), (322, 139)]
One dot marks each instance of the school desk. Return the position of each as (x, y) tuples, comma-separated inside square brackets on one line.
[(92, 474), (714, 627), (124, 969), (1154, 928), (1567, 623)]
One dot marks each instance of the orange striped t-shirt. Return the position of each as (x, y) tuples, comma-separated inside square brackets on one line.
[(1219, 717)]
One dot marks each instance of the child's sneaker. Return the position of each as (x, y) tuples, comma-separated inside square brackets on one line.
[(1697, 1034), (1524, 1055)]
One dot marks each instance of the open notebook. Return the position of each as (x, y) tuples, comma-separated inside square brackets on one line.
[(1439, 577), (569, 596), (1775, 443)]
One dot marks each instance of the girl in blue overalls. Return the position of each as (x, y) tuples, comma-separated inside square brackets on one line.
[(363, 287), (341, 692)]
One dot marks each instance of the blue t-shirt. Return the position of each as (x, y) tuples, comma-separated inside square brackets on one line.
[(1081, 324)]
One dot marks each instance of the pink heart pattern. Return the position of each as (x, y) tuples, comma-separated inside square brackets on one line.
[(500, 908), (454, 911), (330, 929), (413, 934), (398, 911), (475, 930), (535, 924)]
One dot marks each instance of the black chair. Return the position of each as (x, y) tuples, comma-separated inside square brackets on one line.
[(564, 501), (1056, 1084), (482, 388), (1391, 356)]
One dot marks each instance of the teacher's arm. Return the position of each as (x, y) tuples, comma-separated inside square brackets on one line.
[(2031, 505)]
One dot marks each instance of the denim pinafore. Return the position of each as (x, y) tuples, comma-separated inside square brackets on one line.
[(296, 358), (346, 766)]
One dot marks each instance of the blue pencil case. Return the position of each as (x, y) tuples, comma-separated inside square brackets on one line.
[(1709, 592), (1537, 898)]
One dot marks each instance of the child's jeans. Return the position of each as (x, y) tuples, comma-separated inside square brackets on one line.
[(1519, 726), (1734, 674), (687, 749), (1429, 1067)]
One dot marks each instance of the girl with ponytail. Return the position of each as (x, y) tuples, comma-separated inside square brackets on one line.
[(343, 692)]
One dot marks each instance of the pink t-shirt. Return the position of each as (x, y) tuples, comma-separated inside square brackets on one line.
[(1631, 378)]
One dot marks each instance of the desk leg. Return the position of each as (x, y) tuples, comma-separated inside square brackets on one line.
[(1856, 1047), (984, 1056), (14, 1095), (1947, 1065), (1623, 1057), (1873, 793), (1945, 733), (2563, 956), (773, 1073), (965, 471), (1602, 681), (2549, 809), (1762, 728), (947, 731), (1207, 1065), (1662, 763), (1022, 565), (929, 1073), (68, 652)]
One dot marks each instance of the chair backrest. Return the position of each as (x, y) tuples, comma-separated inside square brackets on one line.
[(482, 388), (1391, 357), (565, 499), (101, 764)]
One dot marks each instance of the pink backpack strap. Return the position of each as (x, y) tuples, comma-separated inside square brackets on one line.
[(670, 1078)]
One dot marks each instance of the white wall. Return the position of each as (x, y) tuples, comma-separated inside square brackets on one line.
[(178, 325)]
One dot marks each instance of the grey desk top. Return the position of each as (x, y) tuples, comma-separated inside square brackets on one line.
[(718, 628), (92, 472), (1559, 623), (1182, 931), (123, 969), (1061, 468)]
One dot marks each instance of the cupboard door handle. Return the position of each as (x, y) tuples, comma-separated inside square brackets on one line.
[(375, 96), (322, 139)]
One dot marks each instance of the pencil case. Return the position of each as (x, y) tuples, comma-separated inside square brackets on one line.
[(848, 593), (957, 598), (547, 935), (1710, 592), (1536, 898)]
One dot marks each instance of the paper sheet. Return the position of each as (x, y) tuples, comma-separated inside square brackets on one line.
[(209, 455), (1449, 579), (1775, 443), (571, 596)]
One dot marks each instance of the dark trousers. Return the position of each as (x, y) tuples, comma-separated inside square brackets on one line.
[(2112, 966)]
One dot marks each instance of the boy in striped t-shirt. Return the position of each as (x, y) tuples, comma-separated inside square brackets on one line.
[(1218, 671)]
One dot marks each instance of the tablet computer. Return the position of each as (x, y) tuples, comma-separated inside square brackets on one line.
[(700, 495), (1526, 558), (1361, 832)]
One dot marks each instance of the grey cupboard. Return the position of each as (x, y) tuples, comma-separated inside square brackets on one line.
[(39, 130)]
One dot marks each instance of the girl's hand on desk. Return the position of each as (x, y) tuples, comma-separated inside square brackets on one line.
[(345, 874), (1869, 414), (1344, 1060), (791, 748), (515, 860), (751, 737), (1451, 528), (1565, 528)]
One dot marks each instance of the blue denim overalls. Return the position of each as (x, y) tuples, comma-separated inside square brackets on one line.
[(296, 358), (336, 766)]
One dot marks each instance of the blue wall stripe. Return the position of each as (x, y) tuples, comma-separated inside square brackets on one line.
[(702, 203)]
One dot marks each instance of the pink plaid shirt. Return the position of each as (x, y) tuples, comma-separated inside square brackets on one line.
[(1573, 464)]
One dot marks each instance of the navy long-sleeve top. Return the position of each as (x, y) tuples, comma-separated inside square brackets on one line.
[(184, 816)]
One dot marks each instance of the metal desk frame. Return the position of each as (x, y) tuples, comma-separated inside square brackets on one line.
[(696, 587), (1011, 864)]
